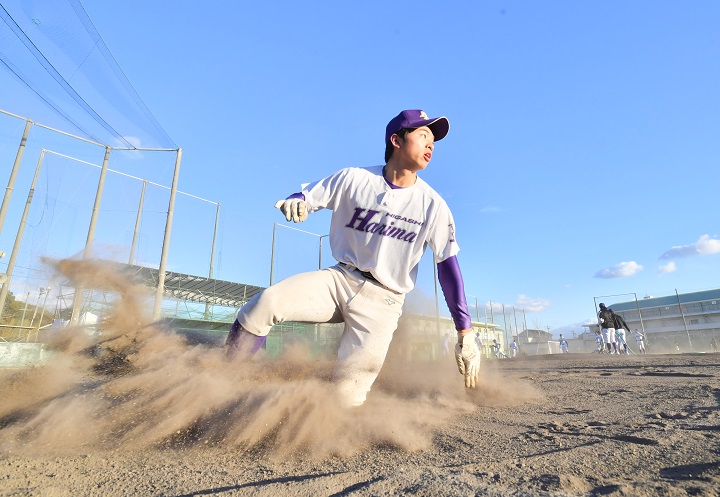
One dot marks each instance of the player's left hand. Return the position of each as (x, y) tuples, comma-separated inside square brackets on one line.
[(293, 208), (467, 356)]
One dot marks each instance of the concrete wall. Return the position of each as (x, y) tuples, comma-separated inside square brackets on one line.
[(18, 355)]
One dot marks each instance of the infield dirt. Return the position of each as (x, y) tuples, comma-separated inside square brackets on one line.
[(140, 412)]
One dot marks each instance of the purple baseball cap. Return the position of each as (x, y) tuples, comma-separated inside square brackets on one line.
[(415, 119)]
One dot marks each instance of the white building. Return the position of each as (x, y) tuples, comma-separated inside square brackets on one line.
[(427, 335), (537, 342)]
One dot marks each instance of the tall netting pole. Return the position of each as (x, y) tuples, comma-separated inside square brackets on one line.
[(683, 318), (18, 238), (136, 231), (78, 298), (505, 325), (212, 256), (157, 311), (13, 174), (272, 254), (637, 306)]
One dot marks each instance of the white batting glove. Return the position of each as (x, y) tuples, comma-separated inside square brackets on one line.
[(293, 208), (467, 356)]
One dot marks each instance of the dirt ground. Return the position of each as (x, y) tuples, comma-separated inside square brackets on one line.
[(137, 411), (549, 425)]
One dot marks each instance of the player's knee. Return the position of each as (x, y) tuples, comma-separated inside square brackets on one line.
[(270, 298), (266, 309)]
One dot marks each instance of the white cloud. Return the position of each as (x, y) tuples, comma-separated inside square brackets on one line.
[(523, 303), (703, 246), (670, 267), (531, 304), (622, 270), (489, 209)]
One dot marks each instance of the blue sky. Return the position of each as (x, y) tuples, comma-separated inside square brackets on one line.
[(582, 158)]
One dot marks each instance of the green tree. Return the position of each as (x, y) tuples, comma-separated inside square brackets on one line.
[(11, 309), (13, 312)]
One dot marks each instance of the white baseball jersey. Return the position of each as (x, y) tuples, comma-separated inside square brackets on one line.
[(380, 229)]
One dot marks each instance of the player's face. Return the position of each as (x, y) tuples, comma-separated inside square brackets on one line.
[(417, 148)]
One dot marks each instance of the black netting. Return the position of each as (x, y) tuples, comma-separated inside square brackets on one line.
[(52, 49)]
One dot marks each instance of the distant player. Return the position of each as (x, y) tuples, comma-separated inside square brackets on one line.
[(447, 345), (497, 350), (640, 340), (478, 341), (563, 345), (513, 348), (620, 327), (599, 342), (383, 218), (607, 324)]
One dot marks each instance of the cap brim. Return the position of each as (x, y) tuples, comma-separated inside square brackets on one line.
[(439, 126)]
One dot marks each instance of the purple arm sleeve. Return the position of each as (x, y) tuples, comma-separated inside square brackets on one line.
[(453, 288), (296, 195)]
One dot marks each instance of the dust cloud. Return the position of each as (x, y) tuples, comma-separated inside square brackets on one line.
[(139, 386)]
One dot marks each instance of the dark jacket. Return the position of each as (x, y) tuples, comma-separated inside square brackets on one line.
[(619, 322), (605, 319)]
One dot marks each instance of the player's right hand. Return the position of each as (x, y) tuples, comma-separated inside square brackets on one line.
[(467, 356), (293, 208)]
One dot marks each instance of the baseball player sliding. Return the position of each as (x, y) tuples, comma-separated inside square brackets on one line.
[(383, 219)]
